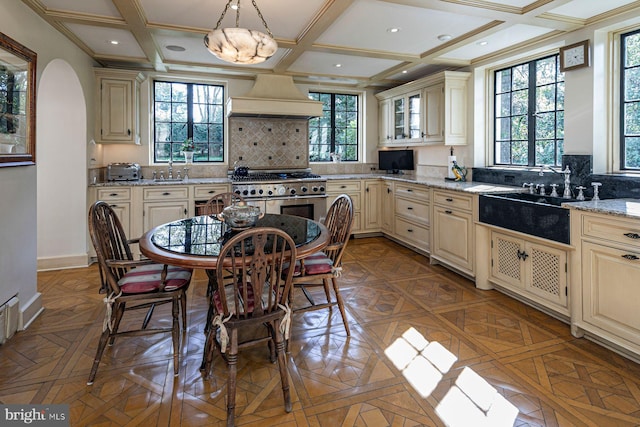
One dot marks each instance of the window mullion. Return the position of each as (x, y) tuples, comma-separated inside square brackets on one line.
[(531, 126)]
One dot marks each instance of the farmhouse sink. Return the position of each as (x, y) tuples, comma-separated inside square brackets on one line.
[(540, 216)]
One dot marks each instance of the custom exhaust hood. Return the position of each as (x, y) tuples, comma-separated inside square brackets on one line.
[(274, 96)]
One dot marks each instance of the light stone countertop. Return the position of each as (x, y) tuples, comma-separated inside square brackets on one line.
[(629, 208), (466, 187)]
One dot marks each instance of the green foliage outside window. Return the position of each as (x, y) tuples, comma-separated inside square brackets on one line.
[(183, 111), (529, 114), (630, 102), (336, 132)]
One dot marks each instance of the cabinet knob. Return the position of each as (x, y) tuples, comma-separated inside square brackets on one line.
[(630, 257), (449, 200), (632, 235), (166, 194), (448, 212), (410, 208), (410, 230)]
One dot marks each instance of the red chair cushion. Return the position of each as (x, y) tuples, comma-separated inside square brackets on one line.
[(317, 263), (250, 303), (146, 278)]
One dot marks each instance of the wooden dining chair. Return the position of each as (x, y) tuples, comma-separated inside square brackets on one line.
[(323, 269), (252, 292), (133, 285), (217, 203)]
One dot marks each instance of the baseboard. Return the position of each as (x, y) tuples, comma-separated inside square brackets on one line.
[(60, 263), (29, 311)]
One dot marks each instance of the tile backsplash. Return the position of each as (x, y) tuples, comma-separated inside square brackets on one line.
[(269, 143)]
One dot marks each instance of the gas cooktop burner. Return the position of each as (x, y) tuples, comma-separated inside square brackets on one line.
[(273, 176)]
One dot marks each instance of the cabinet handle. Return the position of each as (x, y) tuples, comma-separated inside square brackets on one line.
[(343, 186), (409, 190), (166, 194), (114, 206), (522, 255), (448, 212), (410, 230), (388, 190), (367, 189), (409, 208), (212, 191), (449, 200), (113, 194), (632, 235), (129, 132), (630, 257)]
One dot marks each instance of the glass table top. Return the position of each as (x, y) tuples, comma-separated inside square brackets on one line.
[(204, 235)]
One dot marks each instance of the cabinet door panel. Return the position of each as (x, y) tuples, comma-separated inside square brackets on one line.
[(434, 115), (547, 273), (159, 213), (611, 290), (506, 262), (453, 234)]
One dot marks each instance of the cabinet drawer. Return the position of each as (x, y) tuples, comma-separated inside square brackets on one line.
[(411, 191), (108, 194), (205, 192), (417, 234), (166, 193), (454, 200), (343, 186), (614, 229), (412, 209)]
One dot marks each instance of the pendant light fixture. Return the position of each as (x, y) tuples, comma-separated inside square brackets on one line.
[(240, 45)]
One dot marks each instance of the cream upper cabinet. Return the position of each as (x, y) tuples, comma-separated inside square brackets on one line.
[(117, 117), (431, 110)]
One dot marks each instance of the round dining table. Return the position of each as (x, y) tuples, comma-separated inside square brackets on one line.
[(196, 242)]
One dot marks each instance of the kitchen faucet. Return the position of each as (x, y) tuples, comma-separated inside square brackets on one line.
[(170, 169), (566, 194)]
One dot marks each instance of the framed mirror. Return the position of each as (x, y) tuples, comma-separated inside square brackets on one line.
[(17, 103)]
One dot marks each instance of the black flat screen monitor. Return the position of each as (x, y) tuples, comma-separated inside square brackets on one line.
[(395, 160)]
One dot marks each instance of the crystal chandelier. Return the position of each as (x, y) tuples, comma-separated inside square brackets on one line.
[(240, 45)]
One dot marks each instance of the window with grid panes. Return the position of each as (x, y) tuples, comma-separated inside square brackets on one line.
[(630, 101), (188, 110), (529, 114), (336, 132)]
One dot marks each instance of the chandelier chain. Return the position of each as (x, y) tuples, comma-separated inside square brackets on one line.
[(222, 16), (261, 17), (255, 5)]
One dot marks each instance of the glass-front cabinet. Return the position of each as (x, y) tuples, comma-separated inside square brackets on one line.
[(407, 118)]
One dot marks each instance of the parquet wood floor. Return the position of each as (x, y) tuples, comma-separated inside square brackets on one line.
[(427, 349)]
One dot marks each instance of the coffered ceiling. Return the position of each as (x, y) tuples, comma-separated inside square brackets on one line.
[(339, 41)]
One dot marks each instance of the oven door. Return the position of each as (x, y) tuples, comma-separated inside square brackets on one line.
[(312, 207)]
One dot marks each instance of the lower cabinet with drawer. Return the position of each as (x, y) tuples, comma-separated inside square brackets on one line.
[(164, 204), (202, 193), (411, 224), (609, 251), (352, 187), (119, 198), (453, 238)]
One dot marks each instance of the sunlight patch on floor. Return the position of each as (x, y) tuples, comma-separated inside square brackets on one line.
[(470, 401)]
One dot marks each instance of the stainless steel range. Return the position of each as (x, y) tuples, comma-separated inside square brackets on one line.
[(294, 192)]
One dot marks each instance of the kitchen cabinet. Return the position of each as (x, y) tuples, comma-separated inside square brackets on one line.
[(387, 200), (531, 269), (412, 219), (453, 230), (608, 255), (164, 204), (119, 198), (352, 187), (202, 193), (372, 202), (431, 110), (117, 112)]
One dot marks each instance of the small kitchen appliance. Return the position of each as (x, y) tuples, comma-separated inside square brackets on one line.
[(123, 172)]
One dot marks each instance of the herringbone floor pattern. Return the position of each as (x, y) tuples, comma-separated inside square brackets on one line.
[(427, 349)]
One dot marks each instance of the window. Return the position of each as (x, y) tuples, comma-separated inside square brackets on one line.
[(336, 132), (529, 114), (630, 102), (188, 110)]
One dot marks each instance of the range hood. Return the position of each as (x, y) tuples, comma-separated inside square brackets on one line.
[(274, 96)]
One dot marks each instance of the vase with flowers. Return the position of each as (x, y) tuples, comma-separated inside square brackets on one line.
[(188, 148)]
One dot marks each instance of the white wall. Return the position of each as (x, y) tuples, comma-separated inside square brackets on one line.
[(18, 192)]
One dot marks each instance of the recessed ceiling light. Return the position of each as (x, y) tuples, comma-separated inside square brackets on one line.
[(444, 37), (404, 71), (175, 48), (113, 42), (393, 30), (482, 43), (338, 65)]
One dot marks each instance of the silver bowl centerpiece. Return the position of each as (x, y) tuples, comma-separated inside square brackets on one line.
[(240, 215)]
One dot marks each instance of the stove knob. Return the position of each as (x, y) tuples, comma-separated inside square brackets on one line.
[(253, 191), (303, 189), (314, 189), (260, 191), (292, 191), (245, 192), (237, 192), (322, 188), (270, 192)]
